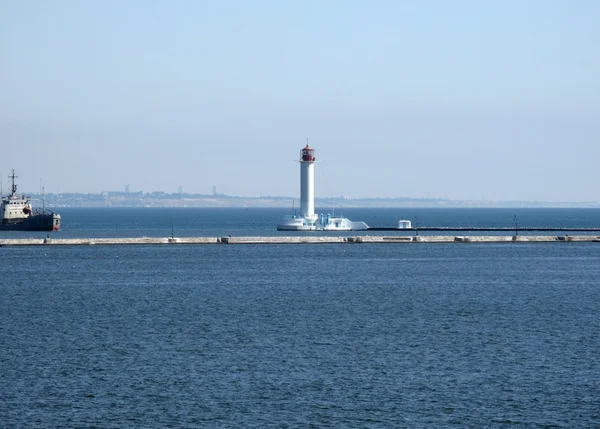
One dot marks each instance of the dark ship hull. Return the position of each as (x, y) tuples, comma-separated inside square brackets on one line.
[(35, 222)]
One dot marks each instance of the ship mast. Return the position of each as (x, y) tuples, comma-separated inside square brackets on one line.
[(13, 188)]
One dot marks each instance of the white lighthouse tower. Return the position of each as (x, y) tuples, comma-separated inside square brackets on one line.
[(307, 220), (307, 183)]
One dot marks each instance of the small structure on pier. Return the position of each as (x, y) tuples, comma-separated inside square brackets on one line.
[(404, 224)]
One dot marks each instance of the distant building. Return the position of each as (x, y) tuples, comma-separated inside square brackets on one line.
[(214, 190)]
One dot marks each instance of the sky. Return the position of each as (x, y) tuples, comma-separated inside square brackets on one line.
[(461, 100)]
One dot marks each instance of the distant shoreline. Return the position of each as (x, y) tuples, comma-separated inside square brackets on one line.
[(157, 199)]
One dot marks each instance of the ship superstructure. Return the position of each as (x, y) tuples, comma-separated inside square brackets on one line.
[(16, 213), (306, 219)]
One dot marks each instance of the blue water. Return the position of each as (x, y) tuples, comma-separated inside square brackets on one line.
[(328, 335), (216, 222)]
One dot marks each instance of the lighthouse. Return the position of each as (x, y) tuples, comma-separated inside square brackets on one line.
[(307, 183), (306, 219)]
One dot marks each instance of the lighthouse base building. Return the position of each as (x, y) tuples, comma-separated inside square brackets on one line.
[(306, 219), (324, 222)]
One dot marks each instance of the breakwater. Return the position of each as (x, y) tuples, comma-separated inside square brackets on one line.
[(483, 229), (300, 240)]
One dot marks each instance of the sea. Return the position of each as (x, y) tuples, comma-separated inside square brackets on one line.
[(399, 335)]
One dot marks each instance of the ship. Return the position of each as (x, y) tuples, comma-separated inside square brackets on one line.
[(16, 213)]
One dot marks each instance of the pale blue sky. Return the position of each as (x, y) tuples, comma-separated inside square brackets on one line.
[(495, 100)]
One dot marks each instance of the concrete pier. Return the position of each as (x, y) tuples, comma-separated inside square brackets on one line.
[(459, 229), (301, 240)]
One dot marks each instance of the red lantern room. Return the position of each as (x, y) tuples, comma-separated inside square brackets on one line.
[(307, 154)]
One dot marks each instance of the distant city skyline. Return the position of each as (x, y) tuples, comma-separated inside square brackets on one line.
[(465, 100)]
